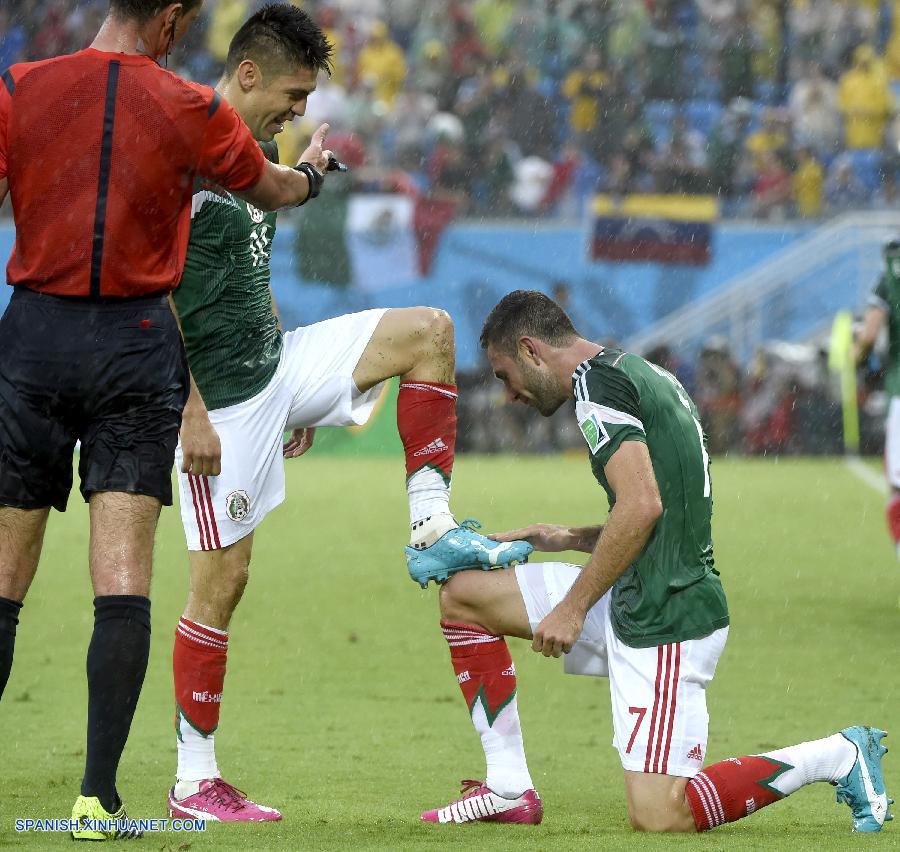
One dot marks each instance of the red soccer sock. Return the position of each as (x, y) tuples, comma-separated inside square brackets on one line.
[(893, 517), (426, 421), (732, 789), (483, 666), (487, 677), (198, 662)]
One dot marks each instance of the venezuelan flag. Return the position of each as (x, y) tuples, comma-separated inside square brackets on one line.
[(655, 228)]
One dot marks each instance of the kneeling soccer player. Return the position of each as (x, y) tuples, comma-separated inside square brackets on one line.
[(254, 382), (647, 610)]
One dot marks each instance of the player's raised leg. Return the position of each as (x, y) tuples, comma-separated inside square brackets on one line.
[(417, 344), (218, 579), (477, 610), (21, 536)]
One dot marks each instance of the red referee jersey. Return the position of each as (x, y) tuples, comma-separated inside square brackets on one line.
[(101, 151)]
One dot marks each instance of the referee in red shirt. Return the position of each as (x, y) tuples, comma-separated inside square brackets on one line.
[(98, 152)]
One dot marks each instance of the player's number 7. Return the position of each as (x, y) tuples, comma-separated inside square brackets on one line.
[(640, 712)]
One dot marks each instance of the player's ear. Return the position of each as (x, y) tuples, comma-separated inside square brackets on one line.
[(249, 75), (528, 350)]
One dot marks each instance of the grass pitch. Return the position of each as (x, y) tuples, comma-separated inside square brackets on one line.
[(341, 707)]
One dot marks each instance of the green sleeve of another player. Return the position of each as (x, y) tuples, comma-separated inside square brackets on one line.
[(607, 406), (207, 246)]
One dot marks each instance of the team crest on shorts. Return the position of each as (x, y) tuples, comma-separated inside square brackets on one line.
[(237, 505)]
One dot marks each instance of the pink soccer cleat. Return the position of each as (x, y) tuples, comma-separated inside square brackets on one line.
[(218, 801), (481, 804)]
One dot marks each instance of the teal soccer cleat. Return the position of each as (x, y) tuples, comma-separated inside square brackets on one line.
[(463, 548), (863, 788)]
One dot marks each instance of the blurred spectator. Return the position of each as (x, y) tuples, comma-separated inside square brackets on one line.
[(681, 164), (865, 100), (773, 188), (726, 146), (814, 109), (808, 185), (382, 63), (718, 395), (226, 17), (583, 89), (773, 137), (843, 189), (664, 46), (738, 45)]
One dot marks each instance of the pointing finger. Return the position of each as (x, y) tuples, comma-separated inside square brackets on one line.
[(318, 138)]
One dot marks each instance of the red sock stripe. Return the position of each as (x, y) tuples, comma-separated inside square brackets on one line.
[(662, 722), (210, 635), (212, 514), (201, 522), (704, 801)]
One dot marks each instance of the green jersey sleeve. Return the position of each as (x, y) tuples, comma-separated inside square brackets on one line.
[(607, 406)]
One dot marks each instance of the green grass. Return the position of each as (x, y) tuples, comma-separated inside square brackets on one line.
[(341, 707)]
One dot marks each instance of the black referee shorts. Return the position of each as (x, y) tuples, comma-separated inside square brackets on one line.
[(110, 374)]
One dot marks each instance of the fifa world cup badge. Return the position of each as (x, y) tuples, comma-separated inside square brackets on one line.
[(237, 505)]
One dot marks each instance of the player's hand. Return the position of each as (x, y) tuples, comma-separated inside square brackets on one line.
[(559, 631), (299, 442), (315, 155), (200, 445), (548, 538)]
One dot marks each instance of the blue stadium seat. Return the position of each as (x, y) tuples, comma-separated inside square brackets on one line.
[(703, 115), (867, 165), (659, 115)]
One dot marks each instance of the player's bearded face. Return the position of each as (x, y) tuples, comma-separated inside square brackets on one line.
[(541, 390)]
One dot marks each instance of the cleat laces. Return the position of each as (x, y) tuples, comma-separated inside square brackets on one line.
[(225, 794)]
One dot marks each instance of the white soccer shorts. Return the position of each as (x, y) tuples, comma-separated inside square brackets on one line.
[(660, 721), (892, 443), (313, 386)]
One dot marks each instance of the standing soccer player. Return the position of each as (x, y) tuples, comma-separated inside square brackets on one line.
[(253, 383), (99, 151), (647, 610), (884, 310)]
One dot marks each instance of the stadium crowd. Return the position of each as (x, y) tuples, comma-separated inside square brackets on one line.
[(523, 107), (785, 401)]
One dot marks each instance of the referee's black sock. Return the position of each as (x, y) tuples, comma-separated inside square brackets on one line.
[(116, 664), (9, 618)]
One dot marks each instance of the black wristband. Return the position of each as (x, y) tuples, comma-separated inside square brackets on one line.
[(315, 178)]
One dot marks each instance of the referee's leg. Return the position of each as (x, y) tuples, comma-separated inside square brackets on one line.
[(21, 537), (123, 527)]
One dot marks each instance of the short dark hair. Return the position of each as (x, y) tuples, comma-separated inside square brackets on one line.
[(526, 313), (144, 10), (283, 34)]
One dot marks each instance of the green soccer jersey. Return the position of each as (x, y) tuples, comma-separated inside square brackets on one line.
[(672, 591), (887, 296), (230, 330)]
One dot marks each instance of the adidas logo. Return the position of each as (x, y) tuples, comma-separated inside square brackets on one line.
[(436, 446), (696, 753), (510, 672)]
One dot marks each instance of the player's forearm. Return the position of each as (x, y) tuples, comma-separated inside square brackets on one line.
[(278, 187), (626, 532), (584, 539), (872, 323)]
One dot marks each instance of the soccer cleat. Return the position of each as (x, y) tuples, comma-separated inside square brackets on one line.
[(462, 548), (96, 823), (863, 788), (219, 801), (481, 804)]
